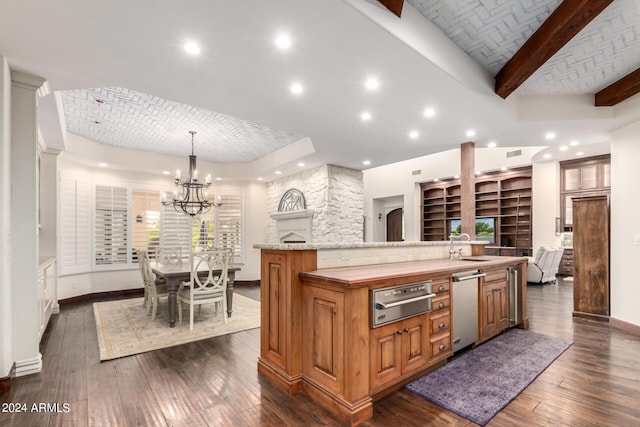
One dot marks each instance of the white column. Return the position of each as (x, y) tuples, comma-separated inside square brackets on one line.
[(24, 223), (6, 308)]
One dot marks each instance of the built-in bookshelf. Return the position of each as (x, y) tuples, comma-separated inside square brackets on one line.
[(503, 198)]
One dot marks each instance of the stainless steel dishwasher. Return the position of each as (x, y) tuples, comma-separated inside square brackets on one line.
[(465, 308)]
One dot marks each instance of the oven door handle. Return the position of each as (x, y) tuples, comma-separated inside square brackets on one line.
[(404, 301), (473, 276)]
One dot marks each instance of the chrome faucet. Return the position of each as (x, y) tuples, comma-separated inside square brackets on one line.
[(452, 252)]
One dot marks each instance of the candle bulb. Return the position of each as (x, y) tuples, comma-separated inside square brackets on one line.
[(208, 179), (218, 200), (206, 196), (164, 197), (195, 175), (177, 173)]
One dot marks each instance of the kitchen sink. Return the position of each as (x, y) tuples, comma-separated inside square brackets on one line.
[(474, 259)]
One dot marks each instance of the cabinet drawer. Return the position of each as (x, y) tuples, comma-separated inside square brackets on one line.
[(440, 286), (440, 345), (441, 302), (440, 322), (494, 275)]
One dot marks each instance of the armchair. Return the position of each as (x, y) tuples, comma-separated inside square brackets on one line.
[(544, 267)]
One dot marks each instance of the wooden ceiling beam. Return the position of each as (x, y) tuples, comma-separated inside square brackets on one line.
[(620, 90), (394, 6), (569, 18)]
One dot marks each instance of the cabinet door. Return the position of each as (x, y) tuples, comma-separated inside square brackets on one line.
[(323, 359), (386, 348), (502, 305), (273, 295), (488, 315), (415, 341)]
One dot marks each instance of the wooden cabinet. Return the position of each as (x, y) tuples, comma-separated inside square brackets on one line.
[(582, 178), (591, 256), (566, 263), (440, 346), (398, 349), (504, 197), (494, 304), (281, 315)]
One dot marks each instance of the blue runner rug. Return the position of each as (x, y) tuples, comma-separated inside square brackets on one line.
[(478, 384)]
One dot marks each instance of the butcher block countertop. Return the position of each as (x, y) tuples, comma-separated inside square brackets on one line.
[(371, 275)]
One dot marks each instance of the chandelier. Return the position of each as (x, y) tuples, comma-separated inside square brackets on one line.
[(194, 199)]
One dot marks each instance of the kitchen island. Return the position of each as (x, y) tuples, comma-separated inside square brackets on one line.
[(317, 332)]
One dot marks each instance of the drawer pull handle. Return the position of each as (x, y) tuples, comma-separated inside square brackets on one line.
[(406, 329), (441, 305), (399, 332), (381, 305), (442, 346), (442, 325), (441, 288)]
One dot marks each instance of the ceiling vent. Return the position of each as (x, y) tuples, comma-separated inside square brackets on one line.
[(514, 153), (416, 172)]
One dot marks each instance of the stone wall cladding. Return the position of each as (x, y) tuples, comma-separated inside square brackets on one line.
[(335, 195)]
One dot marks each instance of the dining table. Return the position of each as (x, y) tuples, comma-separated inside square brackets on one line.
[(174, 274)]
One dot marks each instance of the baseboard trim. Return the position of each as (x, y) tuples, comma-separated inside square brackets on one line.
[(29, 366), (623, 326), (130, 293), (591, 316), (102, 295), (5, 385)]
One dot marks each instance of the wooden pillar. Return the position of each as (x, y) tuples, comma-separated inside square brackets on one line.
[(468, 188)]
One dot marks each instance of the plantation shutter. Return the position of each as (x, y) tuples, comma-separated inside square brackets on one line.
[(75, 215), (145, 225), (111, 225), (229, 230), (174, 230)]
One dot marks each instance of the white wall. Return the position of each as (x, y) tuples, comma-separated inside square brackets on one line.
[(6, 308), (397, 179), (625, 223), (546, 204), (253, 232)]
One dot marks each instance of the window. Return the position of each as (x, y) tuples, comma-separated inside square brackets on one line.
[(74, 224), (111, 225), (145, 224)]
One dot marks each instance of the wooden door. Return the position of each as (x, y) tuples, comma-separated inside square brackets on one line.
[(394, 225), (591, 255)]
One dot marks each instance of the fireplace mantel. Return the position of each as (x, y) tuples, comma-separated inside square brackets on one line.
[(294, 226)]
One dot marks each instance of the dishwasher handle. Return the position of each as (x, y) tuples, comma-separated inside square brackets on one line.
[(473, 276), (404, 301)]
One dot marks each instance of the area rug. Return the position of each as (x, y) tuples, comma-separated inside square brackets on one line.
[(479, 383), (124, 328)]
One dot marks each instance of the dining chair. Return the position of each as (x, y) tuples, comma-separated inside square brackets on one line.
[(168, 255), (201, 289), (153, 290)]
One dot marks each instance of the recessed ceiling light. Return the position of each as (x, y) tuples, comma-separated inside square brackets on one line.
[(547, 156), (260, 178), (435, 180), (283, 41), (296, 88), (218, 178), (166, 173), (470, 133), (192, 48), (503, 168), (365, 116), (278, 172), (550, 135), (580, 153), (492, 144), (414, 134), (300, 164), (429, 112), (103, 164), (563, 148), (456, 176), (574, 143), (372, 84), (366, 162)]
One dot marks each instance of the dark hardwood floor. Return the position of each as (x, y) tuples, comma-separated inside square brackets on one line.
[(214, 382)]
